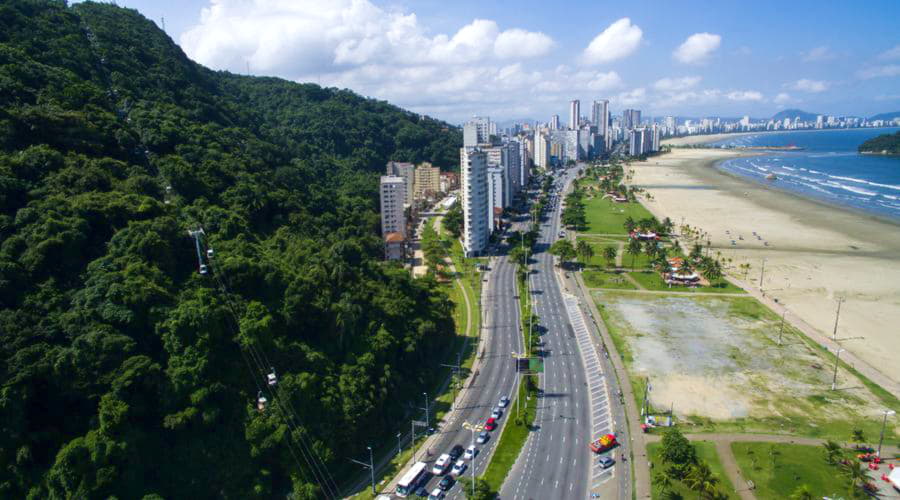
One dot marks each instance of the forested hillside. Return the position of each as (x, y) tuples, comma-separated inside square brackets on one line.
[(125, 372)]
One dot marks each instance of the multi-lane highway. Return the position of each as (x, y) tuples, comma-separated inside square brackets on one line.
[(496, 372), (556, 461)]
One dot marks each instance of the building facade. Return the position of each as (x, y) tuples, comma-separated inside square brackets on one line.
[(393, 215), (408, 172), (574, 113), (477, 131), (476, 216), (427, 182)]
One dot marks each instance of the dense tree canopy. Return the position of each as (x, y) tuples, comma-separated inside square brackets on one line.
[(123, 369)]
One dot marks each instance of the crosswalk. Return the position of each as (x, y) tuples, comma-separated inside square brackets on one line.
[(601, 414)]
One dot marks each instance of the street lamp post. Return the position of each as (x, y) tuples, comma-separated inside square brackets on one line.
[(886, 413), (399, 445), (837, 316), (372, 468), (762, 272), (837, 357), (781, 330), (474, 428)]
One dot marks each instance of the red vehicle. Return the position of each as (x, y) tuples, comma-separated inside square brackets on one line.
[(491, 424), (605, 443)]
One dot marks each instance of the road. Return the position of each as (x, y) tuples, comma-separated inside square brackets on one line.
[(496, 375), (556, 461)]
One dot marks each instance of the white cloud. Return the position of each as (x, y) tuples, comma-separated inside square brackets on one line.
[(676, 84), (822, 53), (620, 39), (631, 97), (517, 43), (697, 48), (744, 95), (888, 97), (807, 85), (782, 98), (890, 54), (879, 71)]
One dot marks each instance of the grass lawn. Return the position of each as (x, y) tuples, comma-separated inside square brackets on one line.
[(594, 278), (652, 280), (607, 217), (777, 475), (706, 452)]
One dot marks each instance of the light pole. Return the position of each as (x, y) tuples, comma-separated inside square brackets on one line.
[(474, 428), (372, 468), (837, 357), (886, 413), (781, 330), (399, 446), (762, 272), (427, 420), (837, 316)]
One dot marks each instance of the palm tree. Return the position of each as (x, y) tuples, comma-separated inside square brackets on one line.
[(610, 253), (633, 249), (663, 479), (802, 493), (585, 251), (701, 479), (858, 436), (855, 475), (629, 224), (832, 451)]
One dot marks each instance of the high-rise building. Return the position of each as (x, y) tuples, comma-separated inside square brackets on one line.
[(477, 131), (574, 113), (541, 150), (670, 125), (631, 118), (554, 122), (600, 116), (497, 182), (512, 163), (393, 216), (408, 172), (476, 216), (427, 181), (643, 141)]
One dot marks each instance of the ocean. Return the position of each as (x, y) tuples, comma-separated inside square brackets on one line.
[(828, 168)]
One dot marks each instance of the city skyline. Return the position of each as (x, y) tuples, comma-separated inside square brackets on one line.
[(447, 62)]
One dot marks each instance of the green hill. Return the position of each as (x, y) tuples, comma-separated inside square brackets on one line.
[(795, 113), (885, 116), (886, 144), (126, 373)]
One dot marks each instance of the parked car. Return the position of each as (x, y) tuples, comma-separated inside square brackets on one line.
[(606, 462), (483, 437), (440, 466)]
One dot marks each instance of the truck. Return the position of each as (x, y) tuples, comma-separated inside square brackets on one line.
[(605, 443)]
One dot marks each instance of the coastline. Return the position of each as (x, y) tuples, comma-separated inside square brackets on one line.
[(697, 140), (816, 252)]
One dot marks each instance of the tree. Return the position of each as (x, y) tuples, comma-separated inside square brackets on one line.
[(664, 480), (701, 479), (482, 489), (696, 252), (564, 250), (832, 451), (453, 220), (585, 251), (634, 249), (855, 475), (858, 436), (629, 224), (610, 253), (802, 492), (675, 449)]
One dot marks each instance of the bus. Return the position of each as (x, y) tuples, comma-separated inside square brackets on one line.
[(410, 481)]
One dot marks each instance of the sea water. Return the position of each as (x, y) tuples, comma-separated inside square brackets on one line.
[(828, 168)]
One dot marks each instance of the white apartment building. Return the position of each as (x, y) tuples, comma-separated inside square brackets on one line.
[(408, 172), (574, 113), (473, 189), (477, 131), (497, 192), (541, 150)]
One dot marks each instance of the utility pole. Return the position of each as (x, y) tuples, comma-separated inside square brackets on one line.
[(454, 377), (886, 413), (762, 272), (427, 419), (370, 466), (399, 446), (781, 330), (837, 357), (837, 316)]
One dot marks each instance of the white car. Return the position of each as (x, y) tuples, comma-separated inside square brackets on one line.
[(504, 402), (497, 413), (440, 467), (437, 494), (470, 453), (459, 467)]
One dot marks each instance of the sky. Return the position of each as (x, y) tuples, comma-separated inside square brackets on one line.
[(527, 59)]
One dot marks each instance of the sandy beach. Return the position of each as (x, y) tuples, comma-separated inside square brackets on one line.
[(815, 254)]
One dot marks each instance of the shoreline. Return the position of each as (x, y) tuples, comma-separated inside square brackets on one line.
[(816, 253)]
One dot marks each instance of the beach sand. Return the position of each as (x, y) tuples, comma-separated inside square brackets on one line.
[(816, 253)]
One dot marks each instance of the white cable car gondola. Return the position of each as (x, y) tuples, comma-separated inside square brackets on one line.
[(203, 269), (271, 378), (261, 402), (209, 253)]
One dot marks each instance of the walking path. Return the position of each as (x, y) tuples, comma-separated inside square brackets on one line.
[(672, 292)]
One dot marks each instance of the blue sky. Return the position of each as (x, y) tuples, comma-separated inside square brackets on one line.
[(526, 59)]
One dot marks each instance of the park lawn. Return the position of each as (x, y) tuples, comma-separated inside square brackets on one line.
[(652, 280), (605, 216), (594, 278), (792, 465), (706, 452)]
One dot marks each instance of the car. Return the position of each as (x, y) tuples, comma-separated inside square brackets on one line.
[(504, 402), (483, 437), (491, 424), (440, 466), (437, 494), (470, 453), (446, 483), (459, 468), (456, 452), (422, 492), (497, 413), (606, 462)]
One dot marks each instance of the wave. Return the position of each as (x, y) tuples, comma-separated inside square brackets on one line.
[(853, 189), (863, 181), (789, 168)]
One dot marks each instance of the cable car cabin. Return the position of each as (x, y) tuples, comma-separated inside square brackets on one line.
[(203, 269), (272, 379), (261, 402), (209, 253)]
